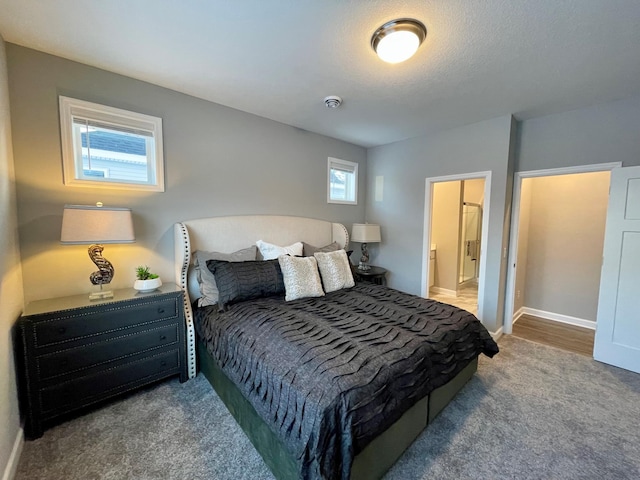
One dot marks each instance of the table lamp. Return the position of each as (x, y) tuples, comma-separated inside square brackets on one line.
[(97, 225), (365, 233)]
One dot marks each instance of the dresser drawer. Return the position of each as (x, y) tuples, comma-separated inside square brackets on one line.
[(72, 353), (100, 319), (92, 388), (101, 352)]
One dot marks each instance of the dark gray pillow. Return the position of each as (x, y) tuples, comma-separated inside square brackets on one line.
[(206, 280), (309, 250), (239, 281)]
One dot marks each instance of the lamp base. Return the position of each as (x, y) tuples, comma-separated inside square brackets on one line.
[(101, 295), (364, 259)]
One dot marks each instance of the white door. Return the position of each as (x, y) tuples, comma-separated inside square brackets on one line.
[(617, 340)]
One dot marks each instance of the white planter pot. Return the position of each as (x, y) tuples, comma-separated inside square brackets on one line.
[(145, 286)]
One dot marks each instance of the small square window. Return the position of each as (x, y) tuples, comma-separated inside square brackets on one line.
[(109, 147), (342, 182)]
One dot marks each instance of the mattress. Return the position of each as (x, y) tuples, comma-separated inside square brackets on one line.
[(329, 374)]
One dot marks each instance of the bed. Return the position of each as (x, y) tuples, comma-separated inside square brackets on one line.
[(333, 386)]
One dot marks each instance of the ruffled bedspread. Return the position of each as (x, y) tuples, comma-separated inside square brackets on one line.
[(329, 374)]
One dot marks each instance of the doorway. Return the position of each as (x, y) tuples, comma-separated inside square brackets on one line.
[(455, 235), (555, 249)]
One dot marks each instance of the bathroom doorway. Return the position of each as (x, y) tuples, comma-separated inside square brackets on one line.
[(454, 233)]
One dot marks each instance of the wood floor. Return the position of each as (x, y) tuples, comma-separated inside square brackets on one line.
[(560, 335)]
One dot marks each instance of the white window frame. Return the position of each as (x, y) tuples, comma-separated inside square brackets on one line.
[(72, 165), (347, 166)]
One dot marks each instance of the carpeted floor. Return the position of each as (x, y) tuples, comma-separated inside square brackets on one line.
[(532, 412)]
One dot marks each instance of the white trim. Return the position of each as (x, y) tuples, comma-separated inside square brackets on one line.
[(426, 238), (12, 464), (509, 298), (497, 334), (517, 315), (559, 317), (72, 170), (550, 172), (443, 291)]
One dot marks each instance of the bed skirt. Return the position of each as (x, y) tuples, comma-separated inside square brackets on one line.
[(374, 460)]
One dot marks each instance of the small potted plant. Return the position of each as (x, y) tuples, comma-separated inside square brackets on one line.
[(146, 281)]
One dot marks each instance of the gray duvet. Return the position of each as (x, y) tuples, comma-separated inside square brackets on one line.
[(329, 374)]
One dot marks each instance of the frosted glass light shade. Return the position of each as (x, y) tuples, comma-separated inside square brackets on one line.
[(397, 40), (398, 47)]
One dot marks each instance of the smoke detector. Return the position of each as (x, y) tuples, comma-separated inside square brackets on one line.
[(332, 101)]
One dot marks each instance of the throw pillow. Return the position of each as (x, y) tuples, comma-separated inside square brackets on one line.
[(308, 250), (206, 280), (241, 281), (335, 270), (300, 275), (269, 251)]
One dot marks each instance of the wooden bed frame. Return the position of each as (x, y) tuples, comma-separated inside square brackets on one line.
[(229, 234)]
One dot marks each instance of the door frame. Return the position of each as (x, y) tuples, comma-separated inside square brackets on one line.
[(509, 314), (426, 237)]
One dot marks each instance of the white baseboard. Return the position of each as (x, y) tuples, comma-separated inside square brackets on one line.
[(517, 315), (443, 291), (12, 464), (497, 334), (558, 317)]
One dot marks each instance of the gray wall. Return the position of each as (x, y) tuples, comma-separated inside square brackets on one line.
[(484, 146), (565, 243), (218, 161), (608, 132), (11, 294)]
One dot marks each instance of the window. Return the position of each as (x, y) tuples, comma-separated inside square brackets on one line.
[(109, 147), (342, 182)]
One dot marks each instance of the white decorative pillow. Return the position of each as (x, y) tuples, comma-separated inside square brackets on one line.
[(300, 275), (270, 251), (335, 270)]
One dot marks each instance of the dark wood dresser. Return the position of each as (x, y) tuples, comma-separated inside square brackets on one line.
[(72, 353)]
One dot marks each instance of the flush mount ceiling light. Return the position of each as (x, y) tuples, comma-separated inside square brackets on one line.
[(397, 40)]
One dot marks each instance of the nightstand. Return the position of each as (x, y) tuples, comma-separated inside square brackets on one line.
[(377, 275), (72, 353)]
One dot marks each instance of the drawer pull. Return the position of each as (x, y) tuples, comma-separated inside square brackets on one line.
[(161, 310), (163, 337)]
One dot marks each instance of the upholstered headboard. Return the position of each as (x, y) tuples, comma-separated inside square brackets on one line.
[(229, 234)]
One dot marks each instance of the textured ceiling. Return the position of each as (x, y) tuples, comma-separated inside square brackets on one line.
[(279, 59)]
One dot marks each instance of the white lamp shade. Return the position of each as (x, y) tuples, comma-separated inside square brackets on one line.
[(86, 224), (365, 232)]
